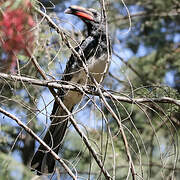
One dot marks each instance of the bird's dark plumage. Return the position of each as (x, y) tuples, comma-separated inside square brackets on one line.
[(93, 51)]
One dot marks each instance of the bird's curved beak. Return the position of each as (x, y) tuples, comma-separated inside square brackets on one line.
[(80, 12)]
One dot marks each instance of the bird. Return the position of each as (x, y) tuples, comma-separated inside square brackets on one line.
[(95, 52)]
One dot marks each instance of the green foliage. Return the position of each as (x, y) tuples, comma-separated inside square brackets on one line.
[(12, 170)]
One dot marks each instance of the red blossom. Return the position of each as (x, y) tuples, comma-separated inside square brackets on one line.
[(15, 27)]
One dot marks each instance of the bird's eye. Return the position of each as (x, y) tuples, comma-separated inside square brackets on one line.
[(95, 13)]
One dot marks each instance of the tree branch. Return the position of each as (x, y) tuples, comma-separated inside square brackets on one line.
[(75, 87), (173, 12), (28, 130)]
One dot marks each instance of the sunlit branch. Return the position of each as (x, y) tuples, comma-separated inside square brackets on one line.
[(75, 87)]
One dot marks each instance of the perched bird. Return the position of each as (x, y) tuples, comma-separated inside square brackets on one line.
[(94, 52)]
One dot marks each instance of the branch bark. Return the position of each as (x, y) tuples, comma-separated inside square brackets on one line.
[(28, 130), (75, 87)]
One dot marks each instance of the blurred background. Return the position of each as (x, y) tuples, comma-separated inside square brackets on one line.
[(145, 64)]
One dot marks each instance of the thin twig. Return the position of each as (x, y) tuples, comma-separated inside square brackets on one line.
[(173, 12), (130, 66), (59, 101), (28, 130)]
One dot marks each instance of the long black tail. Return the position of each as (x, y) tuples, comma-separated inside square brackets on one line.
[(43, 161)]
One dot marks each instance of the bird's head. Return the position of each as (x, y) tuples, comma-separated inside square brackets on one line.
[(90, 17)]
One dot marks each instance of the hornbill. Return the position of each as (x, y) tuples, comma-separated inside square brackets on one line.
[(94, 52)]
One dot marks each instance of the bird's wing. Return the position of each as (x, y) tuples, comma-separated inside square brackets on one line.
[(86, 50)]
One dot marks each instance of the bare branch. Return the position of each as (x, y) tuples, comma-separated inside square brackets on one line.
[(173, 12), (28, 130), (58, 100), (74, 87)]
